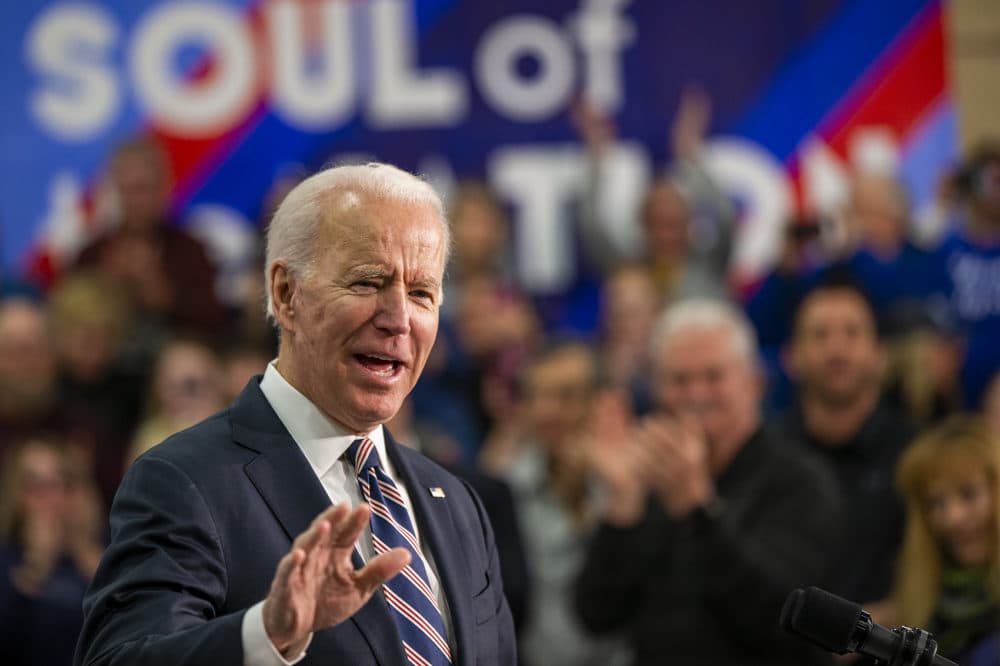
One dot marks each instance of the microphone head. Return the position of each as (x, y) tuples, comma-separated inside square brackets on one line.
[(822, 618)]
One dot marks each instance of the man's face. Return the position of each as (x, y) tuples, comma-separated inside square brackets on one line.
[(27, 362), (878, 212), (558, 392), (362, 322), (699, 372), (142, 189), (665, 221), (835, 352), (987, 197)]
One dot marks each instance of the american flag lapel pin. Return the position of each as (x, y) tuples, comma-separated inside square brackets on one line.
[(436, 491)]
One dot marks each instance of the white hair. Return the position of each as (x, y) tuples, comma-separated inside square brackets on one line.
[(703, 314), (293, 233)]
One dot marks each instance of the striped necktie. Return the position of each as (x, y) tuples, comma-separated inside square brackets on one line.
[(409, 595)]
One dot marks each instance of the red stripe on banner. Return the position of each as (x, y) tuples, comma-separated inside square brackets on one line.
[(897, 91), (193, 160), (902, 86)]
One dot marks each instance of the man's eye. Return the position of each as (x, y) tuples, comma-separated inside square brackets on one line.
[(366, 284), (422, 294)]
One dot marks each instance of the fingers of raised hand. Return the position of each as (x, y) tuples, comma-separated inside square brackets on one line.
[(345, 532), (380, 569)]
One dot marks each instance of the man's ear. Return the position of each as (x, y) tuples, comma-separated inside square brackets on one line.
[(283, 285)]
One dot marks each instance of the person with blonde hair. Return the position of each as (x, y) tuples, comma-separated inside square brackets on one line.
[(948, 573)]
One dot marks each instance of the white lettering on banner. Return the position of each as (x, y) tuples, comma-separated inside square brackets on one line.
[(303, 97), (525, 99), (401, 96), (603, 33), (976, 283), (542, 183), (874, 149), (202, 107), (70, 45), (314, 86), (824, 177), (745, 170)]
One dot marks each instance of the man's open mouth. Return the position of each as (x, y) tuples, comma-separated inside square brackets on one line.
[(383, 366)]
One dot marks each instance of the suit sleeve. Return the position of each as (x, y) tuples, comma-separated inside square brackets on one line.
[(506, 641), (157, 595)]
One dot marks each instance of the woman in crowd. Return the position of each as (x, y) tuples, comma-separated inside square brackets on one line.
[(187, 387), (50, 544), (948, 576), (548, 473)]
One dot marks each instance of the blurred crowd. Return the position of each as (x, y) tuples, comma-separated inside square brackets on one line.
[(664, 456)]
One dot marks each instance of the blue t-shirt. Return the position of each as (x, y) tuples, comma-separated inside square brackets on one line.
[(968, 274)]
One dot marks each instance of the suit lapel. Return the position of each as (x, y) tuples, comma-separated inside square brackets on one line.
[(287, 483), (437, 526)]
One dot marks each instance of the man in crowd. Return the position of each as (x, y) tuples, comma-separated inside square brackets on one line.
[(967, 267), (709, 522), (164, 269), (28, 390), (234, 542), (837, 363)]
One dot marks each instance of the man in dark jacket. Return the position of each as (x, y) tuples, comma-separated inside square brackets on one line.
[(837, 363), (709, 523)]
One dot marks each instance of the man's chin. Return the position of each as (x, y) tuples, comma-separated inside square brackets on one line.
[(840, 395), (365, 416)]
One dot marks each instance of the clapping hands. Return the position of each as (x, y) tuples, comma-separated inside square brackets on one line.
[(665, 455)]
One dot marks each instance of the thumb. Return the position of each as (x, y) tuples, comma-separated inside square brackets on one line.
[(381, 568)]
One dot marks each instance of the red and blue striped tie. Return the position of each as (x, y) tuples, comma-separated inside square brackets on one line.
[(414, 605)]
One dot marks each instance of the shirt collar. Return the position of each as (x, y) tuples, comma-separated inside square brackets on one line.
[(322, 440)]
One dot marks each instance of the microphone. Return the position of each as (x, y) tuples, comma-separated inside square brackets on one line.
[(842, 626)]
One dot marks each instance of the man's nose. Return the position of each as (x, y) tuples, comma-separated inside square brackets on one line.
[(698, 391), (393, 311)]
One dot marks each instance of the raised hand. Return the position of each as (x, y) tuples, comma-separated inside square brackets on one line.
[(674, 458), (316, 585), (611, 453), (595, 127), (694, 115)]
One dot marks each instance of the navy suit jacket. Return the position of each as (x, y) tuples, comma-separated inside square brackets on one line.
[(198, 526)]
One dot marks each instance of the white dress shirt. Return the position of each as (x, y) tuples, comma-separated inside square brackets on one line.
[(323, 442)]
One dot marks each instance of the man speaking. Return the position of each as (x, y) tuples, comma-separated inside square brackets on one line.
[(235, 542)]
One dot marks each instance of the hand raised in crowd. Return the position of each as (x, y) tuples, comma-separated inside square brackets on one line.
[(611, 452), (674, 460), (690, 126), (594, 126), (316, 585)]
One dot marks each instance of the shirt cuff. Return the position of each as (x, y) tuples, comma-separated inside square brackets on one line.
[(258, 650)]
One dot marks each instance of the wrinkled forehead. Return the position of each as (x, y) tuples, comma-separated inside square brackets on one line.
[(360, 222), (695, 347)]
